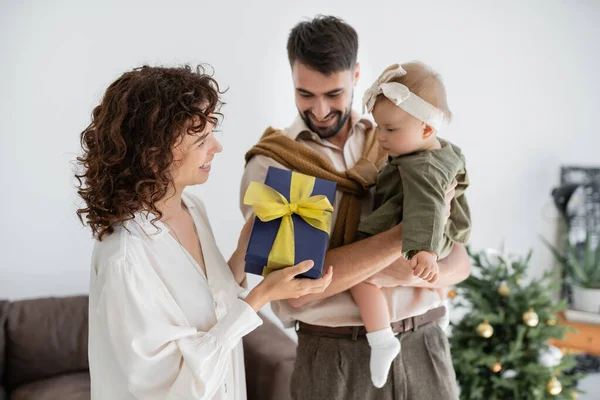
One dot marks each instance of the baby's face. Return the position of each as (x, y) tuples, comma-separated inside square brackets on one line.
[(398, 132)]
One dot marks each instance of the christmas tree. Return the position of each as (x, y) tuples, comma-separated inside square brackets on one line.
[(500, 347)]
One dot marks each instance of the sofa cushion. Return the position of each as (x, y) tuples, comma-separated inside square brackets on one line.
[(64, 387), (45, 338), (4, 304), (269, 356)]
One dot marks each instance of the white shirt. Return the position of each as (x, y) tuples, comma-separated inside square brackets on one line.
[(340, 309), (159, 327)]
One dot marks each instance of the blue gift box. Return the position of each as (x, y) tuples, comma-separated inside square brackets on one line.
[(309, 243)]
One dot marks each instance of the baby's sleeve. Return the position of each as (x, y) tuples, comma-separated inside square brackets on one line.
[(424, 182), (458, 228)]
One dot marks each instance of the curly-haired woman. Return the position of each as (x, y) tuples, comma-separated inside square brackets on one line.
[(166, 314)]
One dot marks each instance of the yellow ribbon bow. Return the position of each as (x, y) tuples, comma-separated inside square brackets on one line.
[(269, 205)]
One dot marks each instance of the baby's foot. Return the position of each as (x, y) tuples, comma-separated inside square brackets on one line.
[(384, 349)]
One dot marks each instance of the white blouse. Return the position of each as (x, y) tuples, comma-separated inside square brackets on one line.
[(159, 328)]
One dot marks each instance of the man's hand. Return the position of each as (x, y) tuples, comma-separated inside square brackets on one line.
[(425, 266), (453, 269), (245, 235), (398, 273), (236, 262)]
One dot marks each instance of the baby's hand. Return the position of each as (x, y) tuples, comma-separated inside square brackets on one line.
[(425, 266)]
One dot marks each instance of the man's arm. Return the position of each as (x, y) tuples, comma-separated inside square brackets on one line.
[(453, 269), (356, 262)]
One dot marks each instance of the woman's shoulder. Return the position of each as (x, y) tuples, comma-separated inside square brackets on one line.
[(117, 248), (111, 247)]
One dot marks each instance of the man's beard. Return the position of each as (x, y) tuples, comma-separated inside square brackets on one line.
[(326, 132)]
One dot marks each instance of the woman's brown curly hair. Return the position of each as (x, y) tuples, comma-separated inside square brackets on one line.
[(127, 148)]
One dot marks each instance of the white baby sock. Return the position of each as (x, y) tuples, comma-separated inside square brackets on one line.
[(384, 348)]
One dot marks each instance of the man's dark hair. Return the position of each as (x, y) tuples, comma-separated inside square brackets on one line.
[(326, 44)]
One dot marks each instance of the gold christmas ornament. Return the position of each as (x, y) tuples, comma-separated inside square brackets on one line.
[(485, 330), (519, 281), (503, 290), (574, 396), (497, 367), (554, 387), (530, 318), (551, 322), (452, 293)]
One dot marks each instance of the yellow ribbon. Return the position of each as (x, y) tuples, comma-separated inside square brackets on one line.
[(269, 205)]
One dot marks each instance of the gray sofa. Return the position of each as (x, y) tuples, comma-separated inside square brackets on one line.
[(43, 353)]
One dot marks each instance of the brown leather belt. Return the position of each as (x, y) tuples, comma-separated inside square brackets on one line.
[(353, 332)]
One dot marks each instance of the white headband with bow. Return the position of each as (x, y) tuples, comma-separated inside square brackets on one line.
[(401, 96)]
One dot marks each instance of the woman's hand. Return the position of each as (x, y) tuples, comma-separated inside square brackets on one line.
[(283, 284)]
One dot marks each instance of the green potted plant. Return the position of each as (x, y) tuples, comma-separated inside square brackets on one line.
[(582, 272)]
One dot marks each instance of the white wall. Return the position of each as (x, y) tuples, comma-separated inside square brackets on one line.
[(522, 80)]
